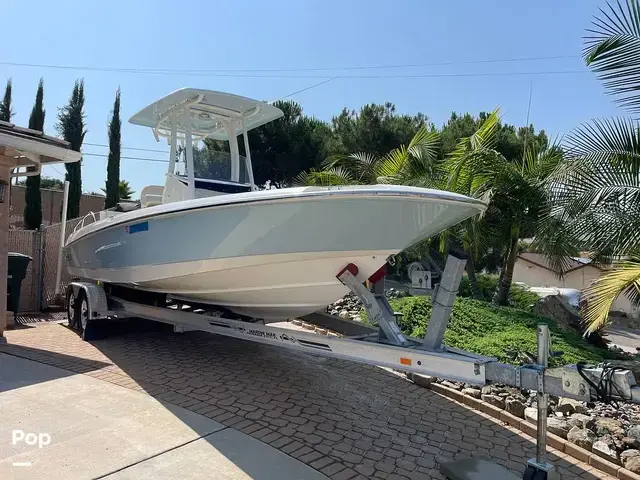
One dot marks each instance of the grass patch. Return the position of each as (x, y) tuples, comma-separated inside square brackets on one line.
[(494, 331)]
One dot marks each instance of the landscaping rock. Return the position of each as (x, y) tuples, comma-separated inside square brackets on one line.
[(582, 437), (472, 392), (515, 407), (581, 408), (567, 406), (531, 414), (631, 443), (455, 386), (634, 432), (579, 420), (424, 381), (610, 426), (494, 400), (558, 427), (633, 464), (627, 455), (606, 451), (567, 317)]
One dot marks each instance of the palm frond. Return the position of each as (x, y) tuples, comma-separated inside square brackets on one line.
[(485, 136), (540, 163), (614, 140), (392, 164), (555, 239), (324, 178), (362, 165), (612, 50), (473, 155), (600, 295), (597, 190), (424, 144)]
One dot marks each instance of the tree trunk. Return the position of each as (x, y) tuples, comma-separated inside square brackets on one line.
[(502, 298), (473, 281)]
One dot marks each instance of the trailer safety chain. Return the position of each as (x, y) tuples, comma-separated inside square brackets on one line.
[(604, 387)]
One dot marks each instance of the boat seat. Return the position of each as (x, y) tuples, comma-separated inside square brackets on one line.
[(151, 195)]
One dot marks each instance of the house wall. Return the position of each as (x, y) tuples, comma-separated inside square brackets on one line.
[(537, 276), (51, 205)]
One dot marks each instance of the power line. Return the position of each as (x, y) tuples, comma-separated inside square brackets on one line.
[(56, 170), (127, 158), (127, 148), (308, 88), (274, 70), (202, 73)]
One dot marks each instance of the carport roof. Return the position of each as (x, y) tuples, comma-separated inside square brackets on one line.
[(32, 147)]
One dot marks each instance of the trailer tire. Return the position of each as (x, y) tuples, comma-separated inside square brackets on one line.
[(82, 317), (72, 308)]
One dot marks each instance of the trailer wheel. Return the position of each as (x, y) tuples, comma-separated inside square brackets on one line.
[(72, 310), (82, 315)]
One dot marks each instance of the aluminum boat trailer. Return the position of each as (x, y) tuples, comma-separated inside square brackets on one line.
[(88, 302)]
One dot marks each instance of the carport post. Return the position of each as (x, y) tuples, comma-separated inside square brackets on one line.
[(5, 177), (65, 204)]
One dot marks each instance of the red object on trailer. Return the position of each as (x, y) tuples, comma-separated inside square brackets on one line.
[(379, 275)]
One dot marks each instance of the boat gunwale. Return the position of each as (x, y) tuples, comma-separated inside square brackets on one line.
[(135, 215)]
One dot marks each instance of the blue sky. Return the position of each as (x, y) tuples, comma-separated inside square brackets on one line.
[(302, 34)]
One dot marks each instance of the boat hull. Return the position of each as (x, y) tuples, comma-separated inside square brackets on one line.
[(267, 255)]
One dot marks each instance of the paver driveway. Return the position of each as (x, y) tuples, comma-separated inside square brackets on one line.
[(343, 419)]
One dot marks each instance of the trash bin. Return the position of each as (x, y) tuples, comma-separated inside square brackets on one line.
[(17, 270)]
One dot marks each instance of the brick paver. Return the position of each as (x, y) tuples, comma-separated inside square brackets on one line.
[(343, 419)]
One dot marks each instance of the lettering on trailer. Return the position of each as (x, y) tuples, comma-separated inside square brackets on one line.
[(259, 333)]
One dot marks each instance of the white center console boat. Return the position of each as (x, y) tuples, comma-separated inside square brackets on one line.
[(211, 236)]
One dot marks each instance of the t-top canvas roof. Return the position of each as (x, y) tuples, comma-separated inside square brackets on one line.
[(210, 110)]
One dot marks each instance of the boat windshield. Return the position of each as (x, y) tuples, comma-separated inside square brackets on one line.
[(214, 165)]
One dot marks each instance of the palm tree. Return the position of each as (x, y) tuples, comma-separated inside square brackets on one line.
[(516, 191), (463, 174), (597, 192), (400, 165), (125, 192)]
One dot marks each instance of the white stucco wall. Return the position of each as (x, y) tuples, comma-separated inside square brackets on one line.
[(536, 276)]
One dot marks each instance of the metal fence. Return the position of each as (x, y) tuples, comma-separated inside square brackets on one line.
[(50, 261), (39, 285)]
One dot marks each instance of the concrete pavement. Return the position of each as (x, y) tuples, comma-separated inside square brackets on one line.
[(88, 428), (348, 421), (627, 339)]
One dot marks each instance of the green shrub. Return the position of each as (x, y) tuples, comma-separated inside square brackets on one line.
[(494, 331), (519, 296)]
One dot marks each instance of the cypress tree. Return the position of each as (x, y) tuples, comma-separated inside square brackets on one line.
[(71, 127), (33, 200), (113, 164), (5, 105)]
